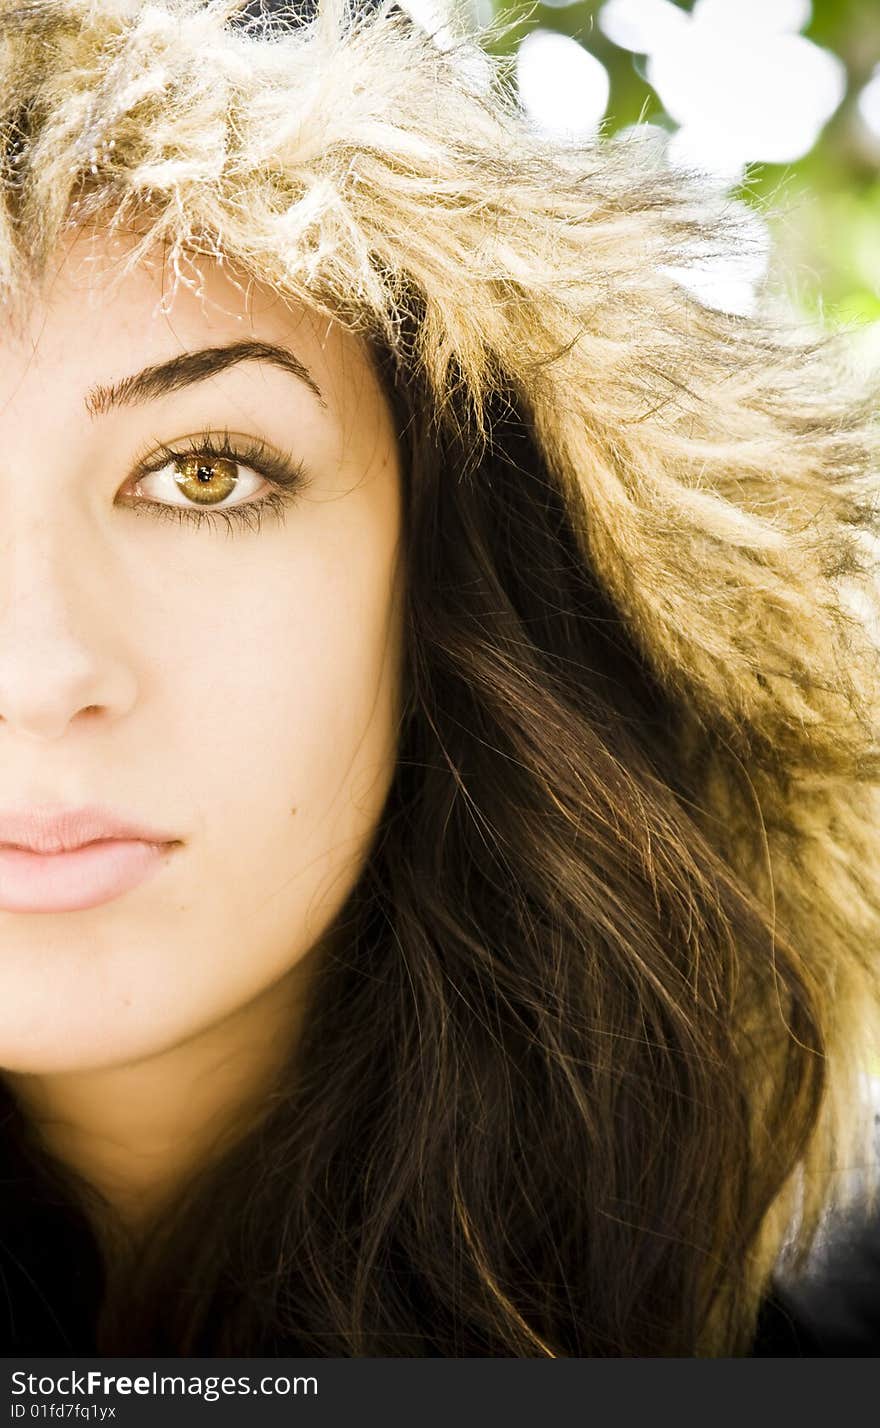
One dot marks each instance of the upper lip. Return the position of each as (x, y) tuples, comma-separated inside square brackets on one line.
[(55, 829)]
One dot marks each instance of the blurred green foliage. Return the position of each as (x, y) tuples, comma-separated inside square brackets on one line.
[(825, 208)]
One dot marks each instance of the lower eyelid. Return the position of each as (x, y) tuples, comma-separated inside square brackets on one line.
[(244, 515)]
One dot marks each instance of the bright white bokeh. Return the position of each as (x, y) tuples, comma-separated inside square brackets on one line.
[(562, 87), (869, 103), (775, 16), (736, 76), (641, 25), (768, 101), (740, 85)]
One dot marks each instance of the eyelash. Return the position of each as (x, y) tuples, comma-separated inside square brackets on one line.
[(287, 477)]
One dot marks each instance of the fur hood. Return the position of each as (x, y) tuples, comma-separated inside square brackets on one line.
[(725, 466)]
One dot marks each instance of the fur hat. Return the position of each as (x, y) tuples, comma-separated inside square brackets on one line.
[(724, 467)]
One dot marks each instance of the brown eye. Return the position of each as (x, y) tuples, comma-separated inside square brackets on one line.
[(201, 478), (176, 484), (205, 479)]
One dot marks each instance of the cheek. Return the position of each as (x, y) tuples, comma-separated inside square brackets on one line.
[(290, 782), (273, 752), (299, 765)]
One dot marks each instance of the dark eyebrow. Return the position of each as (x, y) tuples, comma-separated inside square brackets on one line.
[(188, 367)]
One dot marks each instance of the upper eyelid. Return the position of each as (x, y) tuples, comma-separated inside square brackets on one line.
[(246, 449)]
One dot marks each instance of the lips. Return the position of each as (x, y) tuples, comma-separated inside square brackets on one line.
[(56, 858), (84, 877), (56, 829)]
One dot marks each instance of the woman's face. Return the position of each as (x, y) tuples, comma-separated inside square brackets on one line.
[(236, 687)]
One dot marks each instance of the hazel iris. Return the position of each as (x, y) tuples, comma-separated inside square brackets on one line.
[(196, 480)]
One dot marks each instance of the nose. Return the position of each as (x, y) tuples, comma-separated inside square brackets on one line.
[(59, 634)]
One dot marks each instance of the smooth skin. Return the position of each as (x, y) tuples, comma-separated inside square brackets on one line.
[(242, 690)]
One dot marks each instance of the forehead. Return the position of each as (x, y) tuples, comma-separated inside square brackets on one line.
[(94, 308)]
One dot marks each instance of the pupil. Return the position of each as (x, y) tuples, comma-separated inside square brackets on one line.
[(204, 473)]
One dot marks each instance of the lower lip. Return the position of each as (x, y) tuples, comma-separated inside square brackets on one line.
[(84, 877)]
